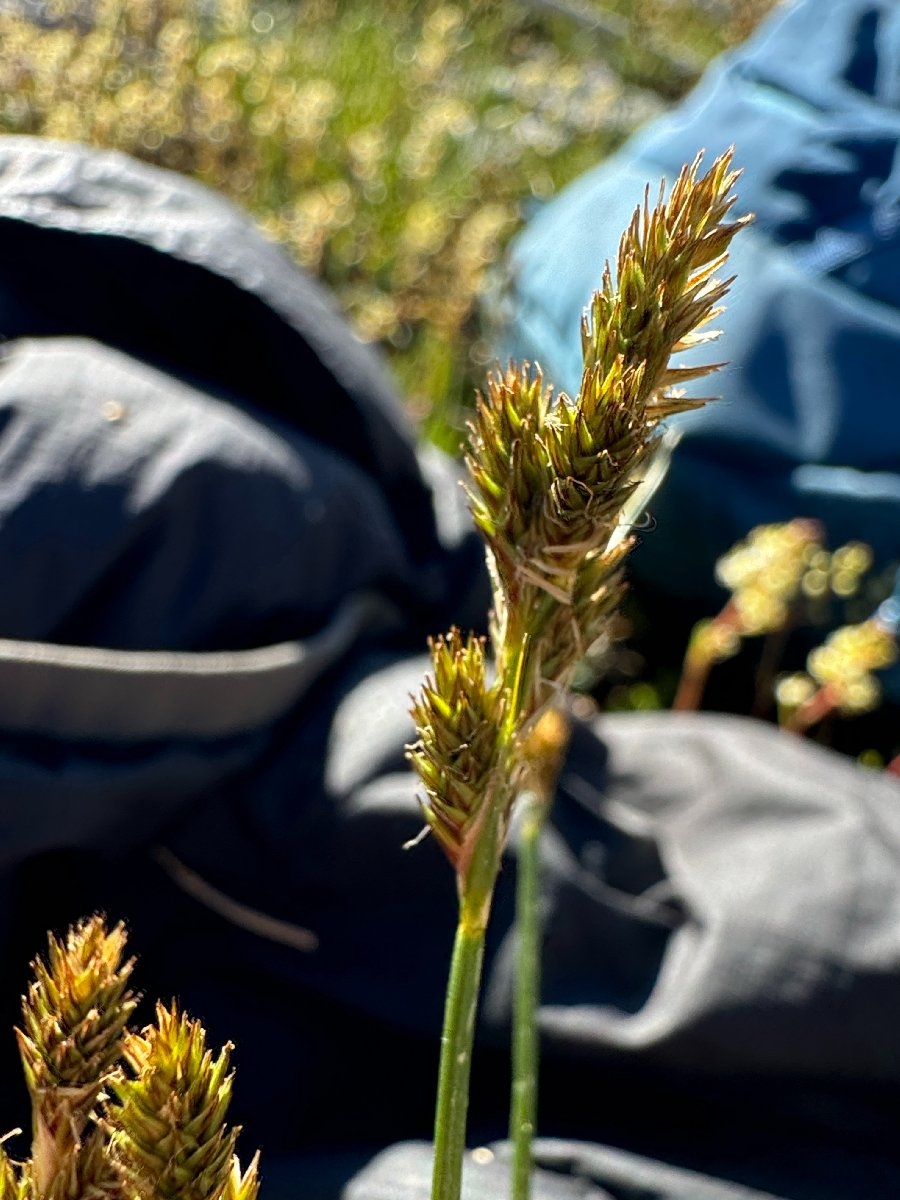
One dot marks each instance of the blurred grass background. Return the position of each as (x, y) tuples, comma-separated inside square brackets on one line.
[(394, 147)]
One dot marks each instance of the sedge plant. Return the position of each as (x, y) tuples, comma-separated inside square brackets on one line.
[(115, 1112), (549, 480)]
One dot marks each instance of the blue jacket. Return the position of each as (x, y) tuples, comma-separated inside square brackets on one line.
[(809, 420)]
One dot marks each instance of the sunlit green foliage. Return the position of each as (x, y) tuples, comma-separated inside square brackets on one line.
[(393, 147)]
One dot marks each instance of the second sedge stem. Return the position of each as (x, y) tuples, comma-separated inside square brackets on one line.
[(523, 1108)]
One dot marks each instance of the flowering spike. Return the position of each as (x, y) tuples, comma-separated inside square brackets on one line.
[(74, 1018), (458, 718), (167, 1123), (550, 479)]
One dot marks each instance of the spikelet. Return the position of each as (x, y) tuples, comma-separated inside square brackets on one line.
[(457, 716), (550, 478), (157, 1135), (665, 291), (74, 1019), (167, 1124)]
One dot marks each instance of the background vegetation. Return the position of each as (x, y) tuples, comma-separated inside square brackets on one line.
[(393, 147)]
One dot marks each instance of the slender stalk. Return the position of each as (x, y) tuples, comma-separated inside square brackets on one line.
[(457, 1038), (692, 684), (710, 642), (523, 1108), (456, 1059), (772, 654), (820, 705), (543, 750)]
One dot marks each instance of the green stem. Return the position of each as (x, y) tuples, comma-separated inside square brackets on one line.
[(456, 1059), (523, 1109), (523, 1098), (477, 888)]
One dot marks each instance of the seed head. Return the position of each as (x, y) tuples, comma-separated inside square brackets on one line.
[(458, 717), (74, 1019), (665, 291), (550, 478), (167, 1124), (76, 1010)]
